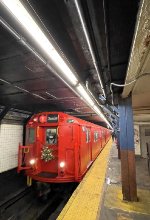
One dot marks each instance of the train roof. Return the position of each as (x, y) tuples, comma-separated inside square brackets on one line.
[(63, 115)]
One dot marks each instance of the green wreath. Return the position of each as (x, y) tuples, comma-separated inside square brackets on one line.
[(47, 154)]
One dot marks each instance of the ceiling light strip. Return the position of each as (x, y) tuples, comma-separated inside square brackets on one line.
[(84, 94), (98, 111), (21, 39), (21, 14), (31, 49), (86, 97), (18, 10), (9, 28), (85, 30)]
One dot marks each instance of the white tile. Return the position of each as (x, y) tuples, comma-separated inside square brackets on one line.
[(10, 136)]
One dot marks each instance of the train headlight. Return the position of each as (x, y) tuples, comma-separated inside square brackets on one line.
[(32, 161), (35, 119), (62, 164)]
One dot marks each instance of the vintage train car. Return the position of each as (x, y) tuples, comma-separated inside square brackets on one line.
[(59, 147)]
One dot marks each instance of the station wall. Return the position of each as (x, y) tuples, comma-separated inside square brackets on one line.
[(137, 140), (10, 137), (145, 138)]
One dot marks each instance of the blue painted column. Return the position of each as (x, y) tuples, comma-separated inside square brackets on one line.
[(128, 170)]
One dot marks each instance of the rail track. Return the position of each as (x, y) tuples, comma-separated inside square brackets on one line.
[(26, 206)]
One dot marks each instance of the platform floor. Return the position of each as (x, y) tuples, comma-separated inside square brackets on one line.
[(113, 207), (85, 202), (99, 195)]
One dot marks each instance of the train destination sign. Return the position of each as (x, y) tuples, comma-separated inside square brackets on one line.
[(52, 118)]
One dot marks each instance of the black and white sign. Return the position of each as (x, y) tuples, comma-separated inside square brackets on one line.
[(53, 118)]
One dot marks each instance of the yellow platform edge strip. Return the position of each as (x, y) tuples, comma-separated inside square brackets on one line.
[(113, 200), (85, 202)]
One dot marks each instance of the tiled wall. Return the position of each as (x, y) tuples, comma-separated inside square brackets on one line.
[(10, 136)]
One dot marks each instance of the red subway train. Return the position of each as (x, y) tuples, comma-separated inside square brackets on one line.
[(59, 147)]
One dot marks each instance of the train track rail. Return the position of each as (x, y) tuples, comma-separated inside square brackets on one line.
[(7, 206), (26, 206)]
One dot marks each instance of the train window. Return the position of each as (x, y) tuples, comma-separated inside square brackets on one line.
[(87, 135), (51, 136), (96, 136), (31, 135)]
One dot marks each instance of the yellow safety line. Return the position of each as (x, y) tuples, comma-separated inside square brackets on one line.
[(113, 200), (85, 203)]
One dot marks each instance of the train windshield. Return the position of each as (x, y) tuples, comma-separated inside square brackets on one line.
[(51, 136), (31, 135)]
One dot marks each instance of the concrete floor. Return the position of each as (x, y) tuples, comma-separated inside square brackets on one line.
[(113, 207)]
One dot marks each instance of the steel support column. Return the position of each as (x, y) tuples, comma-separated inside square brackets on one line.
[(128, 171)]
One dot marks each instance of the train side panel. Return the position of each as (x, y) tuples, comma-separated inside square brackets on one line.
[(84, 148), (91, 143), (103, 137), (96, 142)]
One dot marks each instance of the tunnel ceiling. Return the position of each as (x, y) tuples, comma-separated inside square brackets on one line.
[(27, 84)]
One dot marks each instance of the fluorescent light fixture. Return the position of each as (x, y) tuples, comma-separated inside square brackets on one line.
[(88, 100), (97, 110), (85, 30), (22, 15), (84, 95)]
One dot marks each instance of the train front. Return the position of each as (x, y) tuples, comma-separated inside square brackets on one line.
[(40, 157)]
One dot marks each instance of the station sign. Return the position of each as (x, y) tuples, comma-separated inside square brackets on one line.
[(52, 118)]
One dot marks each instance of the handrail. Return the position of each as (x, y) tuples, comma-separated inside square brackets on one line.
[(21, 152)]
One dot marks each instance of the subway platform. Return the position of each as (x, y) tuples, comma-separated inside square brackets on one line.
[(99, 195)]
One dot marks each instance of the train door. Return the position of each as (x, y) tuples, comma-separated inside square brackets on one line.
[(67, 150), (88, 142), (49, 150), (85, 148)]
